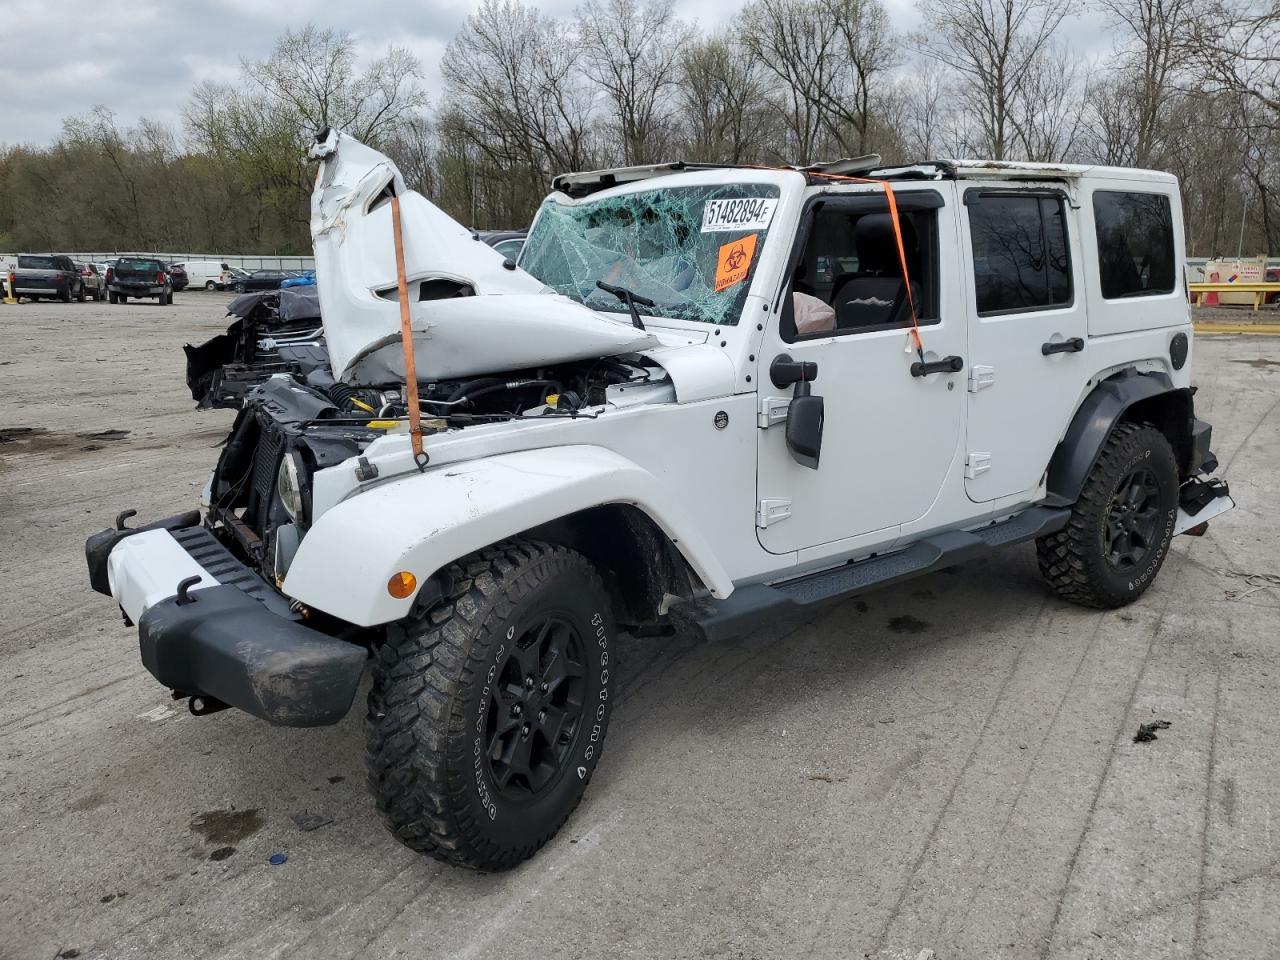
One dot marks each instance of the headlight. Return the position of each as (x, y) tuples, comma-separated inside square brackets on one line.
[(289, 487)]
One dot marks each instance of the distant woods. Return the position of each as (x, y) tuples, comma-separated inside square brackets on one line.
[(1188, 86)]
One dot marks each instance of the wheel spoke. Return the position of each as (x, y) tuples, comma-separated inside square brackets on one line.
[(553, 724)]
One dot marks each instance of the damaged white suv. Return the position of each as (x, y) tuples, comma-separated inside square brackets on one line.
[(705, 394)]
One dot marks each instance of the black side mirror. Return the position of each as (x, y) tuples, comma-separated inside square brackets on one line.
[(804, 426)]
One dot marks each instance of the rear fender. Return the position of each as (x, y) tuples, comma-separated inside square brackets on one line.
[(1128, 395), (421, 523)]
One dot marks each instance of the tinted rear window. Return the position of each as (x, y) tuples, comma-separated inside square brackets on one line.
[(1135, 243), (1020, 257), (150, 266), (35, 263)]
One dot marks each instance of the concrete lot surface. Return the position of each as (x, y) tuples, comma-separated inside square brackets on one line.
[(944, 766)]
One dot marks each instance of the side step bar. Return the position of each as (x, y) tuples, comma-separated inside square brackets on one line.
[(720, 619)]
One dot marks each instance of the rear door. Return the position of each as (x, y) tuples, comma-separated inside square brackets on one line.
[(1027, 326)]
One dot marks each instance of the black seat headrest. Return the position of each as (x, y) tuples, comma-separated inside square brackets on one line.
[(878, 248)]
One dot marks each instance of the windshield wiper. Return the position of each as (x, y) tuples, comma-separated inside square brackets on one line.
[(629, 298)]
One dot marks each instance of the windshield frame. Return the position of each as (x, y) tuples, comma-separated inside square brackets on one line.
[(785, 184)]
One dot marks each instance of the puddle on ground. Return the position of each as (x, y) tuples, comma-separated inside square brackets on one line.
[(908, 624), (61, 445), (225, 828)]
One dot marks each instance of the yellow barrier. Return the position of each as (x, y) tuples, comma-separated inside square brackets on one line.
[(1259, 291), (8, 290), (1253, 329)]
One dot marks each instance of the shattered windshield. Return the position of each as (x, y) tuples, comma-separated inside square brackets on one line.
[(691, 250)]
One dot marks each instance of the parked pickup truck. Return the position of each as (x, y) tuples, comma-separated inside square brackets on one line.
[(47, 275), (139, 277)]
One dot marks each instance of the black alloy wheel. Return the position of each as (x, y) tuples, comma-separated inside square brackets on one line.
[(535, 708), (1132, 520), (489, 709), (1120, 528)]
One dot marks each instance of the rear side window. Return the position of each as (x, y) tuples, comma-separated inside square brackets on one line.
[(141, 266), (1020, 255), (36, 263), (1135, 243)]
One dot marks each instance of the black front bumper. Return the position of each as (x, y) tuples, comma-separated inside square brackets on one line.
[(237, 642)]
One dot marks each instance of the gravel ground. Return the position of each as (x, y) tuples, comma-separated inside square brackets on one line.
[(947, 765)]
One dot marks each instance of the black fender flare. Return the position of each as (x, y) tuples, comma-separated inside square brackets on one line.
[(1101, 410)]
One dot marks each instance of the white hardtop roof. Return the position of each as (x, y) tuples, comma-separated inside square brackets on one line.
[(624, 179)]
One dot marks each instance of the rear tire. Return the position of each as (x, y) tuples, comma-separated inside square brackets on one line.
[(65, 295), (488, 713), (122, 298), (82, 296), (1121, 526), (209, 285)]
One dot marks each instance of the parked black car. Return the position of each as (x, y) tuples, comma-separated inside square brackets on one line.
[(259, 280), (48, 276), (177, 276), (143, 277)]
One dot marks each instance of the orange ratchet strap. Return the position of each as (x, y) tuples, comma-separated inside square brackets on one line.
[(902, 251)]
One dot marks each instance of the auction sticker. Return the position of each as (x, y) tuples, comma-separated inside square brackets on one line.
[(734, 261), (740, 213)]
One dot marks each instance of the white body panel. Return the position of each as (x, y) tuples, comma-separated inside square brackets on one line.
[(145, 568), (423, 522)]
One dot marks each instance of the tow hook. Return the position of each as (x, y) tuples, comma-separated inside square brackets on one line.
[(183, 597), (122, 516)]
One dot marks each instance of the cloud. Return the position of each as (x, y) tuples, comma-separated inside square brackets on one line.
[(141, 59)]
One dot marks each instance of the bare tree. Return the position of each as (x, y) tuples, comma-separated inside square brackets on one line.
[(312, 73), (633, 49), (1048, 116), (1239, 51), (828, 56), (723, 101), (993, 46), (1149, 63)]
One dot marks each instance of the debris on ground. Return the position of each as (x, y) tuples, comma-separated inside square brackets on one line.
[(307, 821), (10, 434), (1147, 731), (827, 778), (277, 858)]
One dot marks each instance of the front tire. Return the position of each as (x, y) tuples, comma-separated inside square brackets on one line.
[(1121, 526), (488, 713)]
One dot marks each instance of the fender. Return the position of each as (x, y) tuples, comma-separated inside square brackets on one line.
[(423, 522), (1101, 410)]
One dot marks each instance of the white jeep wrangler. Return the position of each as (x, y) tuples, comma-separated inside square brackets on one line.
[(699, 398)]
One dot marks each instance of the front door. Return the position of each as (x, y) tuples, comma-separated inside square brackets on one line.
[(1027, 334), (889, 437)]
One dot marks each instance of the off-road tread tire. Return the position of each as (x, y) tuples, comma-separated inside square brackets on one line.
[(1067, 559), (419, 675)]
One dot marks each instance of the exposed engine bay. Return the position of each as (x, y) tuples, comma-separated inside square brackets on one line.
[(279, 331), (293, 424)]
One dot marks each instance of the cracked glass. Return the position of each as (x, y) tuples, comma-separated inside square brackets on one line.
[(691, 250)]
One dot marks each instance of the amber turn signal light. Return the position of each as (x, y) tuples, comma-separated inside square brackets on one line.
[(402, 584)]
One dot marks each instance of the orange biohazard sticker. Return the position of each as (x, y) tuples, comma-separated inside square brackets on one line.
[(735, 261)]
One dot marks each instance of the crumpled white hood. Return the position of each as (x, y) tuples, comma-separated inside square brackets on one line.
[(513, 320)]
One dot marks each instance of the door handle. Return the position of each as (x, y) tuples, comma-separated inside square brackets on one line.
[(945, 365), (1074, 345)]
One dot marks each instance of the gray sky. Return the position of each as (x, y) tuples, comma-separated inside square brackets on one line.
[(141, 58)]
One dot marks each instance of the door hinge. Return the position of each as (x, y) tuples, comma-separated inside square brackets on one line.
[(772, 410), (976, 464), (772, 510), (981, 376)]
